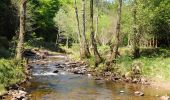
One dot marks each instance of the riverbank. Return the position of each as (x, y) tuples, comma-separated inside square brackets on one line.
[(153, 65), (13, 74), (71, 78), (83, 67)]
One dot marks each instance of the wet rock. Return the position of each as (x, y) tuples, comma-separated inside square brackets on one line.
[(57, 65), (60, 66), (78, 72), (107, 73), (122, 91), (135, 80), (13, 87), (98, 78), (165, 97), (144, 81), (89, 75), (18, 95), (139, 93), (56, 71)]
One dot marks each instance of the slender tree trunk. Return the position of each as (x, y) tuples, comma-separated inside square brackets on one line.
[(128, 40), (97, 19), (136, 49), (153, 42), (78, 26), (57, 37), (156, 45), (98, 59), (86, 52), (19, 48), (114, 48), (67, 42)]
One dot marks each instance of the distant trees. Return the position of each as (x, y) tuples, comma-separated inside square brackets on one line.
[(90, 23)]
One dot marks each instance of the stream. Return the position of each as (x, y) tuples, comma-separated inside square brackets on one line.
[(46, 85)]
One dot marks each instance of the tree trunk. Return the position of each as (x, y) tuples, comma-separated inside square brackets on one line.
[(97, 19), (156, 44), (114, 48), (78, 26), (136, 49), (86, 52), (98, 59), (19, 48), (57, 37), (67, 42)]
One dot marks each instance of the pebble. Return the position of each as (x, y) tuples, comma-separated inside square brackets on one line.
[(165, 97), (139, 93), (122, 91), (56, 71), (89, 75)]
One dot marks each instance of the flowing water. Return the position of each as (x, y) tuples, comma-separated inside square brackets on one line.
[(47, 85)]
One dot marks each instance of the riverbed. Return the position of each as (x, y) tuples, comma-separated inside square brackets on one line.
[(63, 85)]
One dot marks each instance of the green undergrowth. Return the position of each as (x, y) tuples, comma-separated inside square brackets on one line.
[(11, 72), (156, 68), (155, 63)]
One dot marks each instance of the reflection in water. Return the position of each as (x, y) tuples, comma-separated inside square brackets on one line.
[(66, 86)]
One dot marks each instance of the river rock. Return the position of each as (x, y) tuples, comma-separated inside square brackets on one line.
[(18, 95), (98, 78), (165, 97), (122, 91), (135, 80), (108, 73), (139, 93), (56, 71)]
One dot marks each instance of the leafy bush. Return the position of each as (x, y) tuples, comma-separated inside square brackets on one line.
[(11, 71)]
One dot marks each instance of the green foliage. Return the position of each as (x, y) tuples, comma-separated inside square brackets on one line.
[(65, 23), (34, 41), (2, 89), (8, 19), (44, 11), (155, 63), (11, 71)]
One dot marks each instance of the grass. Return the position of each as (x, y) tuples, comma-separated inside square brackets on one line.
[(11, 72), (155, 62)]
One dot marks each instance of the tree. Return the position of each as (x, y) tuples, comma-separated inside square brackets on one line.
[(21, 29), (97, 18), (98, 59), (115, 46), (78, 26), (86, 52), (119, 13), (136, 49)]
